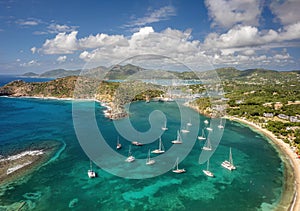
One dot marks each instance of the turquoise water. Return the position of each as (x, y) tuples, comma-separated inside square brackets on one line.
[(63, 183)]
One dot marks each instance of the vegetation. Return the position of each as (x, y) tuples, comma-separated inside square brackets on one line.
[(252, 93)]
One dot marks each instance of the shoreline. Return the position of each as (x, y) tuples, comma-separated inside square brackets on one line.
[(290, 156)]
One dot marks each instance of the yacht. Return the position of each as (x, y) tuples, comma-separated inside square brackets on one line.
[(207, 172), (91, 172), (149, 160), (176, 169), (228, 164), (160, 149), (130, 158), (178, 139)]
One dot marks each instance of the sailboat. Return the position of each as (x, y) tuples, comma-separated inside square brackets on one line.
[(136, 143), (220, 125), (177, 170), (202, 137), (119, 146), (207, 145), (160, 149), (206, 122), (189, 123), (130, 158), (178, 139), (185, 130), (207, 172), (209, 129), (165, 126), (149, 160), (91, 172), (229, 164)]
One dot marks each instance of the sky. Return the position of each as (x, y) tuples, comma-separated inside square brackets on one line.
[(43, 35)]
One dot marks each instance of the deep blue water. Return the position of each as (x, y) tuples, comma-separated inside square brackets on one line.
[(63, 183), (4, 79)]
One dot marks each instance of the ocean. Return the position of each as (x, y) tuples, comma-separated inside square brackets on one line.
[(63, 184)]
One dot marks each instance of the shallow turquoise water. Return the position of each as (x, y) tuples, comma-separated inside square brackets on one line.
[(63, 183)]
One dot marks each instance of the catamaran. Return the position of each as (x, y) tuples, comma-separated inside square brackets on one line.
[(91, 172), (177, 170), (207, 145), (202, 137), (119, 146), (178, 139), (130, 158), (160, 149), (229, 164), (207, 172), (149, 160), (164, 127)]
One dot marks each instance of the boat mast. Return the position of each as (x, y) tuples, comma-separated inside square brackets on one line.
[(230, 157)]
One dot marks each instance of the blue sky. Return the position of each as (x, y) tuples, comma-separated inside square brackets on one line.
[(43, 35)]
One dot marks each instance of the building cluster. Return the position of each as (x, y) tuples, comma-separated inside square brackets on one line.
[(284, 117)]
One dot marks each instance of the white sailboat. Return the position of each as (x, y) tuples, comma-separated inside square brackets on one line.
[(207, 145), (185, 130), (229, 164), (220, 125), (149, 160), (160, 149), (130, 158), (178, 139), (202, 137), (207, 172), (91, 172), (209, 129), (189, 123), (119, 146), (206, 122), (176, 169), (164, 127)]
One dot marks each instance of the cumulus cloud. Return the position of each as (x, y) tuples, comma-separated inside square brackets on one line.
[(250, 36), (61, 59), (63, 43), (101, 40), (238, 45), (226, 13), (287, 11), (163, 13)]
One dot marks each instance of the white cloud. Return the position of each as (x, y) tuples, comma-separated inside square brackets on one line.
[(54, 28), (226, 13), (33, 50), (250, 36), (28, 22), (30, 63), (239, 45), (61, 59), (163, 13), (287, 11), (63, 43), (101, 40)]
